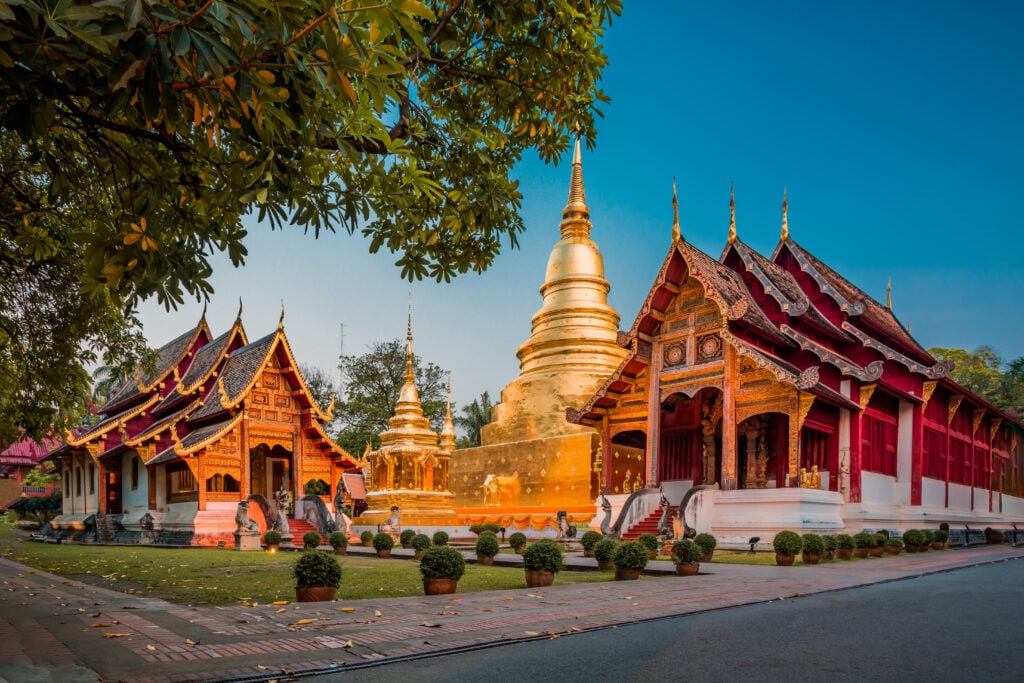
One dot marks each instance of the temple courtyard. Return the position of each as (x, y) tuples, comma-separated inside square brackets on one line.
[(57, 628)]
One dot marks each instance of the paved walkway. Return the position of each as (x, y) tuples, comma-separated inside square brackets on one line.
[(60, 630)]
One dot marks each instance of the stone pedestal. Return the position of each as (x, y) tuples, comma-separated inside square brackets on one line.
[(247, 540)]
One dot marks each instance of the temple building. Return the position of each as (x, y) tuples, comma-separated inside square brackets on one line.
[(216, 422)]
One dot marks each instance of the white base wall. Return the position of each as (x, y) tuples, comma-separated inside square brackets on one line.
[(737, 516)]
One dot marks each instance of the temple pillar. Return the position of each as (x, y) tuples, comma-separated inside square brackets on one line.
[(729, 475), (654, 417), (916, 443), (855, 447)]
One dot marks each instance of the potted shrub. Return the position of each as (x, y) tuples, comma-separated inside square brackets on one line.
[(830, 546), (941, 539), (272, 539), (864, 542), (707, 543), (894, 545), (630, 559), (440, 538), (486, 548), (480, 528), (649, 541), (517, 541), (589, 539), (383, 543), (687, 555), (927, 538), (604, 553), (541, 560), (420, 543), (405, 538), (338, 541), (366, 538), (813, 548), (311, 540), (787, 544), (844, 546), (880, 540), (912, 539), (317, 576), (441, 568)]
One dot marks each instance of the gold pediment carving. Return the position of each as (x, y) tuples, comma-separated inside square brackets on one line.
[(927, 389), (271, 438), (954, 405), (866, 391)]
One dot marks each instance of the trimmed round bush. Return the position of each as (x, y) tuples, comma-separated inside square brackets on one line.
[(631, 555), (310, 540), (865, 540), (314, 568), (487, 545), (845, 542), (590, 539), (813, 544), (338, 539), (480, 528), (383, 541), (707, 542), (545, 555), (830, 541), (649, 541), (272, 538), (366, 537), (517, 541), (442, 562), (894, 542), (913, 537), (929, 536), (604, 550), (882, 539), (787, 543), (686, 551), (941, 536), (405, 538), (420, 542), (440, 538)]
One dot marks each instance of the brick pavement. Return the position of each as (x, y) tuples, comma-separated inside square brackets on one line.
[(53, 629)]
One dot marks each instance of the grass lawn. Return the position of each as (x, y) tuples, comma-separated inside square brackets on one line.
[(220, 576)]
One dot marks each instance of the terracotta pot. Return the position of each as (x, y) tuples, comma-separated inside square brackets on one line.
[(623, 574), (439, 586), (486, 560), (315, 593), (844, 553), (535, 578), (894, 549), (912, 548), (341, 550), (784, 560), (384, 553), (605, 564), (830, 554), (652, 554), (811, 558), (938, 545), (406, 546), (687, 568), (862, 552), (588, 553), (878, 551), (708, 556)]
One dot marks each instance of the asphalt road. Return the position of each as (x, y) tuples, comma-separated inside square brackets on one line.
[(966, 624)]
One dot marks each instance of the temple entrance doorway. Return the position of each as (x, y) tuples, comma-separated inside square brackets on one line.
[(270, 471), (114, 492), (762, 451), (691, 437)]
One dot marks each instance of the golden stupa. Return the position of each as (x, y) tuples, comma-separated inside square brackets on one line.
[(410, 469), (531, 460)]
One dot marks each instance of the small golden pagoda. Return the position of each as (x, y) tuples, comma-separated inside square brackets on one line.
[(410, 469)]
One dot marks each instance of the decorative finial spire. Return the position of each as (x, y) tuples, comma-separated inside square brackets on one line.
[(908, 327), (203, 316), (676, 233), (576, 215), (447, 440), (785, 221), (280, 321), (238, 318), (888, 294), (408, 346), (732, 214)]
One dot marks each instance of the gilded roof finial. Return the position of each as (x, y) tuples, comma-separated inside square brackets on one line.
[(888, 294), (238, 318), (447, 439), (408, 346), (676, 233), (732, 214), (280, 321), (203, 316), (785, 220), (576, 215)]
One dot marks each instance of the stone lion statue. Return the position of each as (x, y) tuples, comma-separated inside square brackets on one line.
[(242, 521)]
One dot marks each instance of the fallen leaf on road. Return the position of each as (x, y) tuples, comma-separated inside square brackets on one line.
[(130, 607), (508, 598), (280, 602), (574, 629), (348, 643), (281, 610), (300, 622), (189, 641), (377, 613), (485, 610), (241, 621), (347, 609), (429, 625), (628, 597), (101, 625), (531, 633), (555, 636), (261, 667), (115, 635), (150, 648)]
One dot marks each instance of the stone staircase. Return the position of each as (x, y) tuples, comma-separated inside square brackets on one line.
[(648, 525), (106, 528), (298, 527)]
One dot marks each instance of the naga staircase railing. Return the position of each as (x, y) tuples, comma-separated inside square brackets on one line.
[(637, 507)]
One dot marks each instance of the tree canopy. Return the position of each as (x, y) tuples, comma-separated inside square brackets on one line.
[(474, 417), (981, 371), (137, 134), (373, 382)]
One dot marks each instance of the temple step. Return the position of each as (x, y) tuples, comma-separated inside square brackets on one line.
[(298, 527), (648, 525)]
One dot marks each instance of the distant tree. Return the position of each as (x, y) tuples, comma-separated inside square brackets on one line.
[(1013, 387), (320, 384), (980, 371), (474, 417), (372, 385), (106, 380), (36, 477)]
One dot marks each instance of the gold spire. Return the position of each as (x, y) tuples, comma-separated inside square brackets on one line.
[(732, 214), (785, 220), (280, 321), (238, 318), (408, 346), (576, 215), (203, 316), (676, 234), (888, 294), (448, 429)]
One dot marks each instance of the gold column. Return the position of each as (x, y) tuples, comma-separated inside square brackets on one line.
[(729, 480)]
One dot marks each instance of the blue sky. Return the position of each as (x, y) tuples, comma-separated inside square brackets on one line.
[(895, 126)]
